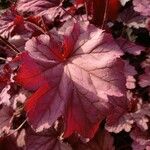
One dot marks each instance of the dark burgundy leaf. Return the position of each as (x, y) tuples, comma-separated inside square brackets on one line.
[(5, 75), (114, 121), (126, 120), (44, 142), (144, 79), (6, 115), (102, 141), (102, 11), (131, 18), (9, 143), (141, 139)]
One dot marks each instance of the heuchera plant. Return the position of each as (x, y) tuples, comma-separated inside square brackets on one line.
[(75, 75)]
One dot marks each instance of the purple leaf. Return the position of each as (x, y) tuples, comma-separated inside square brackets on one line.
[(141, 139), (142, 6), (129, 47), (9, 21), (35, 7), (73, 74), (102, 141), (44, 142)]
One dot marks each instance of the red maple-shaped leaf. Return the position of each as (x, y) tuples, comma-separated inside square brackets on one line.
[(72, 74)]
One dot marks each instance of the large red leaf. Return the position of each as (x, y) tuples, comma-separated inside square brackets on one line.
[(73, 74)]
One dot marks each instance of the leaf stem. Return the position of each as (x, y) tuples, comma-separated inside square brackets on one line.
[(105, 14), (36, 26), (1, 58), (68, 12), (18, 128), (12, 47)]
